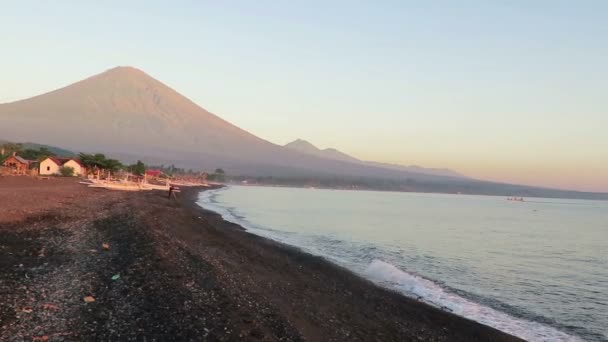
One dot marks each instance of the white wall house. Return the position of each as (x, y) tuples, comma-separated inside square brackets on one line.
[(51, 166), (74, 164)]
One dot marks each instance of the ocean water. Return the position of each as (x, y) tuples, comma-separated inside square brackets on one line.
[(536, 269)]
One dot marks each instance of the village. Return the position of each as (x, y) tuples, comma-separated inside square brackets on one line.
[(95, 170)]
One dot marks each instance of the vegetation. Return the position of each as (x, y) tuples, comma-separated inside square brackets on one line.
[(218, 176), (138, 168), (172, 170), (31, 151), (7, 149), (99, 161), (66, 171), (40, 153), (55, 151)]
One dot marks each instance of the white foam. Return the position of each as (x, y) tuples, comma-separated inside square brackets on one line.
[(206, 200), (425, 290)]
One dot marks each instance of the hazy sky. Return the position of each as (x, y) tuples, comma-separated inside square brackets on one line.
[(504, 90)]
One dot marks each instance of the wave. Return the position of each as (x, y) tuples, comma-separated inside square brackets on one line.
[(208, 200), (390, 276), (425, 290)]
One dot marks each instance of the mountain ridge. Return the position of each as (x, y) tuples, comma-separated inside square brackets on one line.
[(305, 146), (123, 100), (126, 113)]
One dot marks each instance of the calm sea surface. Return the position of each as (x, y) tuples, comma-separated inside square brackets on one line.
[(537, 269)]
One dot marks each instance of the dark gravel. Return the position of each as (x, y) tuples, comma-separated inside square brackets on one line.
[(174, 272)]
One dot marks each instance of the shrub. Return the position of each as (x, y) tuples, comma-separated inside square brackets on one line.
[(66, 171)]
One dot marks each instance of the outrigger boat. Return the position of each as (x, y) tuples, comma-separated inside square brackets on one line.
[(126, 185)]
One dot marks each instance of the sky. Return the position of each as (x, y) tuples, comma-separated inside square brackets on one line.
[(513, 91)]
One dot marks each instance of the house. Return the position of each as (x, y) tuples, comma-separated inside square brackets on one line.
[(153, 173), (79, 168), (17, 164), (52, 166)]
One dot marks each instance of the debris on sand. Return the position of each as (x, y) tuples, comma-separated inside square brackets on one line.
[(50, 306)]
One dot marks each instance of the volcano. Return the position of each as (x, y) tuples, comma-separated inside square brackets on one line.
[(126, 112)]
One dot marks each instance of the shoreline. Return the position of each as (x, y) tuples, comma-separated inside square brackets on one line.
[(184, 273), (297, 253), (526, 198), (501, 314)]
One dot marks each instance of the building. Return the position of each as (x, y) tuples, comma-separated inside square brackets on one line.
[(17, 164), (52, 165), (153, 173), (79, 169)]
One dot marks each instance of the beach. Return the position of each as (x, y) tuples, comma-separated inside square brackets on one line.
[(91, 264)]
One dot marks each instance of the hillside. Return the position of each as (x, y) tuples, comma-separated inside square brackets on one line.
[(57, 151), (328, 153), (129, 115), (304, 146), (125, 112)]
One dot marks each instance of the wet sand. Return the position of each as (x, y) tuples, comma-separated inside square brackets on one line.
[(181, 274)]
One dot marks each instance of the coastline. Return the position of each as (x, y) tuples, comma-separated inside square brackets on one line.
[(186, 274), (474, 330)]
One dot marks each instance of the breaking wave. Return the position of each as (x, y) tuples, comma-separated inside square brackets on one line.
[(431, 293)]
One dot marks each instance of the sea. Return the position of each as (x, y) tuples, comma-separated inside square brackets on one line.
[(536, 269)]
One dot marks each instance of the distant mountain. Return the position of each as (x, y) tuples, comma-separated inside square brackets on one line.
[(304, 146), (121, 110), (127, 114), (418, 169), (328, 153), (57, 151)]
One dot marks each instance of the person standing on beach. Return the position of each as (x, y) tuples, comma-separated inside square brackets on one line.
[(171, 193)]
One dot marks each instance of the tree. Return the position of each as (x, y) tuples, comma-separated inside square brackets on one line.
[(44, 153), (7, 150), (32, 154), (93, 161), (138, 168), (219, 175), (66, 171), (99, 161), (113, 165)]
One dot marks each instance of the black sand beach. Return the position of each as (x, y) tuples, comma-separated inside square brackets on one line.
[(175, 272)]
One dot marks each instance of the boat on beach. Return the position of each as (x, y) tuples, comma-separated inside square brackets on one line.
[(126, 185), (148, 186)]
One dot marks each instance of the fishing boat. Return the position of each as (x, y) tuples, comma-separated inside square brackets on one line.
[(515, 199)]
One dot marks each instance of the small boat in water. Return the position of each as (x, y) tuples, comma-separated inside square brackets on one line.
[(515, 199)]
